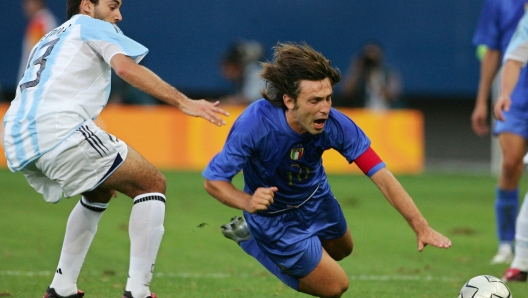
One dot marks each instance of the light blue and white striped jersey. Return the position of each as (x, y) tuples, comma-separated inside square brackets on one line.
[(67, 81), (518, 48)]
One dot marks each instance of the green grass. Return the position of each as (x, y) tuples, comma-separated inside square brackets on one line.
[(195, 260)]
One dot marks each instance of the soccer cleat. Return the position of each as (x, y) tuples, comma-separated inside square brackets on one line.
[(128, 294), (236, 230), (504, 255), (50, 293), (513, 274)]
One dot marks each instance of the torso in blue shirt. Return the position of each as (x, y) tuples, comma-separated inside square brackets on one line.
[(270, 153), (497, 23)]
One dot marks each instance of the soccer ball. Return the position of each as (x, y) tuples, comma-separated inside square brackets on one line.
[(485, 286)]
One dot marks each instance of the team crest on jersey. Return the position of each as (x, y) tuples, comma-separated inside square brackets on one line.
[(296, 153)]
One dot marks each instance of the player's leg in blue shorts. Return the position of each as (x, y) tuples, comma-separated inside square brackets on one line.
[(507, 199), (291, 240)]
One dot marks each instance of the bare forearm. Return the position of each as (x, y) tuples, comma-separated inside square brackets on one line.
[(146, 80), (488, 70), (227, 194), (399, 198), (510, 76)]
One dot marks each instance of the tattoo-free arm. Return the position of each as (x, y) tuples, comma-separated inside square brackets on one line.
[(401, 201), (147, 81)]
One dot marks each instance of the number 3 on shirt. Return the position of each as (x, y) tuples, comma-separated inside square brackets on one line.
[(40, 62)]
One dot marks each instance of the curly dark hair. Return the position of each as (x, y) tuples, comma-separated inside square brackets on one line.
[(292, 63), (72, 7)]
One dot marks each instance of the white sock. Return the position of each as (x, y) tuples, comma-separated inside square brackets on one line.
[(146, 230), (80, 231), (520, 261)]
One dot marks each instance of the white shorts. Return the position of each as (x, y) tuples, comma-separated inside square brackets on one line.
[(79, 164)]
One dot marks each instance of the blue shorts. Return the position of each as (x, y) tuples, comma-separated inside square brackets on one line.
[(292, 239), (516, 123)]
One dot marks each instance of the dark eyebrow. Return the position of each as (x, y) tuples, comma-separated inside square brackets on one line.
[(323, 98), (117, 1)]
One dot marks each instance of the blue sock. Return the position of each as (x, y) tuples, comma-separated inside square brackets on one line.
[(251, 248), (506, 208)]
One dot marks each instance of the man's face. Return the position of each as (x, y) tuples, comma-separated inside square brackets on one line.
[(310, 112), (108, 10)]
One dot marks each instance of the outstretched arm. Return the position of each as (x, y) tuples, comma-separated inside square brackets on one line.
[(147, 81), (509, 79), (400, 199), (229, 195)]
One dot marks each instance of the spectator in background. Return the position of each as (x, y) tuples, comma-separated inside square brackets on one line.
[(496, 26), (240, 65), (41, 21), (369, 83)]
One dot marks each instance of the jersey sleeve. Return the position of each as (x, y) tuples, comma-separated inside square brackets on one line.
[(236, 152), (108, 40), (349, 140), (488, 31), (518, 47)]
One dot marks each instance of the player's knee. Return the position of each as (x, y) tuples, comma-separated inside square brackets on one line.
[(98, 195), (511, 165), (161, 183), (337, 289), (345, 252), (340, 253)]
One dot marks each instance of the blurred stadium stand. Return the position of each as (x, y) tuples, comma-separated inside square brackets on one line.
[(428, 41)]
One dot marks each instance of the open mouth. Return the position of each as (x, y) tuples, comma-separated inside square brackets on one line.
[(319, 123)]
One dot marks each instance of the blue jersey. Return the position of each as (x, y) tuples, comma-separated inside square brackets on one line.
[(496, 26), (66, 81), (497, 22), (270, 153)]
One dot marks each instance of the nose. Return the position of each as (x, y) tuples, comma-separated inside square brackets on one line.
[(325, 107), (118, 17)]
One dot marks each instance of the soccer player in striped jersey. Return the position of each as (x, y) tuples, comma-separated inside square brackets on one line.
[(515, 59), (293, 224), (51, 138)]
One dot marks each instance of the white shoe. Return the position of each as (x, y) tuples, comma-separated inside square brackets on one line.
[(525, 160), (504, 254)]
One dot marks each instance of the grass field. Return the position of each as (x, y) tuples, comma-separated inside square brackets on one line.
[(195, 260)]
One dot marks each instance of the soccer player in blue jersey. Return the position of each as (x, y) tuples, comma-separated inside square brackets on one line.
[(515, 59), (495, 29), (293, 224), (51, 138)]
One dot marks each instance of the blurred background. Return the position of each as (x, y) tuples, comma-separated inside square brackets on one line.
[(428, 43)]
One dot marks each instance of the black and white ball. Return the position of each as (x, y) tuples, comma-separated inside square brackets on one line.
[(485, 286)]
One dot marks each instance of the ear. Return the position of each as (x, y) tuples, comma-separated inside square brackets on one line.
[(87, 7), (288, 101)]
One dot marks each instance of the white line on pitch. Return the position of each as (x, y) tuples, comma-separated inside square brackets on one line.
[(361, 277)]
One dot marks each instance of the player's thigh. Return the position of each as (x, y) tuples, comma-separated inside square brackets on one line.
[(135, 176), (80, 163), (339, 248), (328, 279)]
